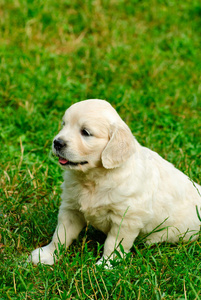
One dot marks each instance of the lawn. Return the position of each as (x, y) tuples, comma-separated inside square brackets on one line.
[(144, 57)]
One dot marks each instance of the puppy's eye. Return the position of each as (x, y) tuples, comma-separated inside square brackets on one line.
[(85, 132)]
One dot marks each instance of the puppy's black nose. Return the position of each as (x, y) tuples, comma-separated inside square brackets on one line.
[(59, 144)]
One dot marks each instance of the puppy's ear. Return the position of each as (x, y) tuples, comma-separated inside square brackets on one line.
[(119, 148)]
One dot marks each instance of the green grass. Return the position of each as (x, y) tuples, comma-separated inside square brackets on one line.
[(144, 57)]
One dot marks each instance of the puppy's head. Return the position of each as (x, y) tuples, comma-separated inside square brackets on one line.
[(93, 135)]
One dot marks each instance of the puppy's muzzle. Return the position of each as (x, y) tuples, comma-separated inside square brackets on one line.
[(59, 144)]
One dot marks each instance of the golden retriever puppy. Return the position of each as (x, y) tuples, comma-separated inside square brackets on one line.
[(118, 186)]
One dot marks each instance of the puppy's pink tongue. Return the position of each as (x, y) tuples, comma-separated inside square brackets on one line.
[(63, 161)]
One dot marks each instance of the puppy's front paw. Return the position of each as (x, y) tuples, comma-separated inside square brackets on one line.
[(44, 255), (105, 262)]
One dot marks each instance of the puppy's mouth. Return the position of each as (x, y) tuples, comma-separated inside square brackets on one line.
[(65, 162)]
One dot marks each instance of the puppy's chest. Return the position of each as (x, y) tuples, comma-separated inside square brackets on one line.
[(97, 208)]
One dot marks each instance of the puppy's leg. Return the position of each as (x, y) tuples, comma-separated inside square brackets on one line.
[(118, 235), (70, 223)]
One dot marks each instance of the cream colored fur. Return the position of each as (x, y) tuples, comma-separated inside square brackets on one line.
[(124, 189)]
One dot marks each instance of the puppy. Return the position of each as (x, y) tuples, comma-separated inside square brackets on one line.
[(118, 186)]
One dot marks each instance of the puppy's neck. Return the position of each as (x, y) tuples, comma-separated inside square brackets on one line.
[(97, 175), (92, 175)]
